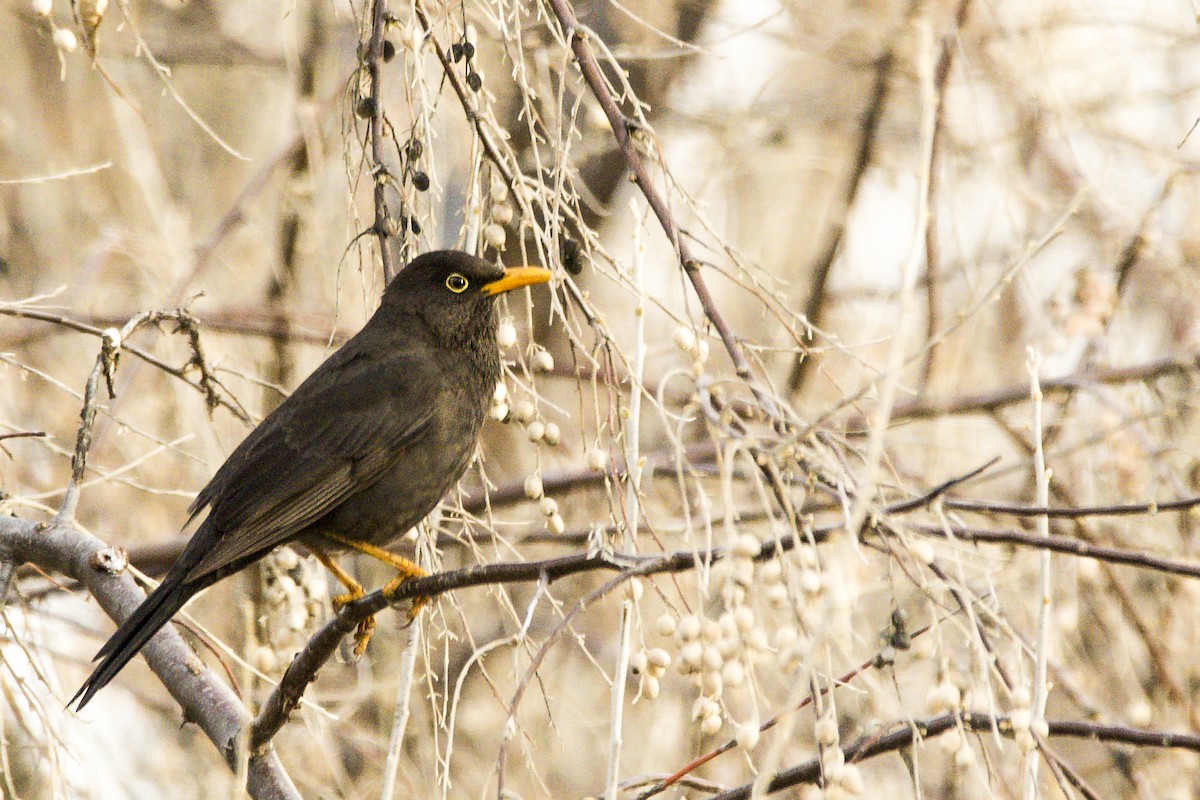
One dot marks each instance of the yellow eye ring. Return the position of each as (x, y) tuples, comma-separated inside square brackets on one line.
[(456, 283)]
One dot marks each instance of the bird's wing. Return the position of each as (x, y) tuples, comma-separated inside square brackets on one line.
[(336, 434)]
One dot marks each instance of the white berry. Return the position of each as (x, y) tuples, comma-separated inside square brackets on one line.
[(506, 334), (494, 235), (684, 339), (533, 487), (65, 40), (502, 214)]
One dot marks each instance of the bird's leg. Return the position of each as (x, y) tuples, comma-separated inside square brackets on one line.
[(407, 569), (362, 635)]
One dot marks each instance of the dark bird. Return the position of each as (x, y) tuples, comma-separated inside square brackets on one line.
[(358, 454)]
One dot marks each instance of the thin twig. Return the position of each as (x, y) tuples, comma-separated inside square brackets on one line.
[(577, 38), (1044, 598), (373, 59), (205, 386), (106, 363)]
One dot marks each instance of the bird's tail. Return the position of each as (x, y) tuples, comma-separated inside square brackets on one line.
[(154, 612)]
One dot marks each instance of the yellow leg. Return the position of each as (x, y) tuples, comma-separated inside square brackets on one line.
[(404, 566), (362, 635)]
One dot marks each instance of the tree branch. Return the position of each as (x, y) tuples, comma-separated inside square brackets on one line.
[(205, 700), (904, 734)]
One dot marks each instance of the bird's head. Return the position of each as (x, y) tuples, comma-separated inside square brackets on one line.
[(455, 292)]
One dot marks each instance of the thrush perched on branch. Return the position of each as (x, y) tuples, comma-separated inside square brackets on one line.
[(360, 453)]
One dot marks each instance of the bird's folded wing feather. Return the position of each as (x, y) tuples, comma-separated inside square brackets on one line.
[(313, 452)]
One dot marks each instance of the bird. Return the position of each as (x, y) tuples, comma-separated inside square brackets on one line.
[(357, 455)]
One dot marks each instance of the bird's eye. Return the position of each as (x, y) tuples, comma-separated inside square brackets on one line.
[(456, 283)]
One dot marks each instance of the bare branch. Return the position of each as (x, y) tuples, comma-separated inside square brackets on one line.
[(206, 701)]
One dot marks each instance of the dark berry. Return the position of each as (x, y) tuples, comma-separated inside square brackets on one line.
[(456, 52), (365, 107), (468, 50), (572, 259), (420, 181), (389, 50), (415, 148), (474, 81)]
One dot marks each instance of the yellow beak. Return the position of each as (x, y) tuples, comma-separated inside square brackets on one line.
[(515, 278)]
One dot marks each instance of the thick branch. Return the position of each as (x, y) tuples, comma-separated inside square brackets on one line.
[(204, 699)]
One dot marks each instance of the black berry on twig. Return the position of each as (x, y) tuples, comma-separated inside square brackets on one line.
[(572, 258), (365, 107)]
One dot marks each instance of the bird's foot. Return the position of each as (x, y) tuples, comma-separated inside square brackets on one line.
[(365, 628), (407, 569), (418, 603)]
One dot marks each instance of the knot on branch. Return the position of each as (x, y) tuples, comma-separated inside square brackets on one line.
[(111, 560)]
